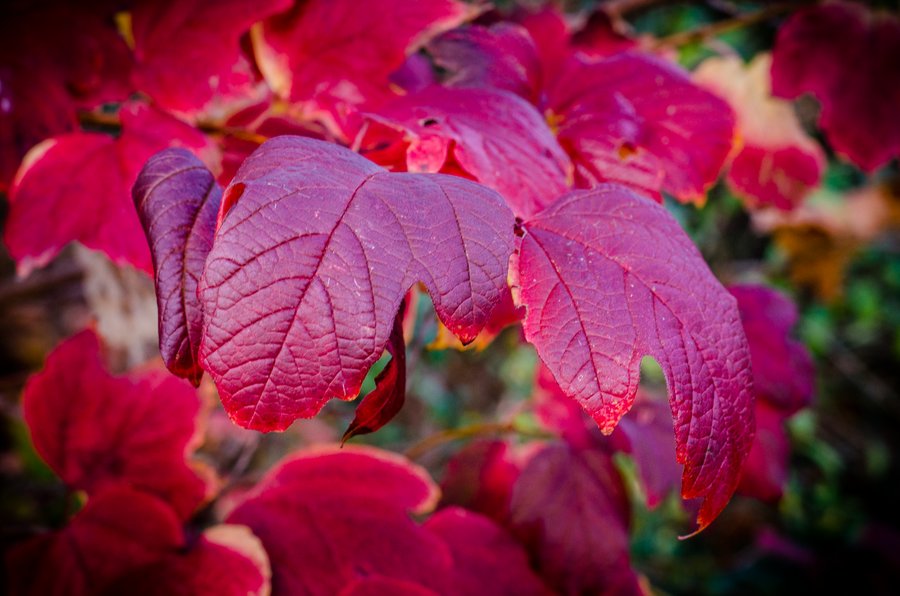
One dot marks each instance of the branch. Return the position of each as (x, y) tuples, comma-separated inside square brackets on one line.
[(431, 442), (719, 27)]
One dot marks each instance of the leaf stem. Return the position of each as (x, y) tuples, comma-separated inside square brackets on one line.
[(417, 450)]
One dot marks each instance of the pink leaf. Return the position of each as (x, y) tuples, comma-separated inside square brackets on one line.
[(178, 200), (226, 560), (188, 52), (766, 470), (328, 524), (95, 429), (85, 180), (571, 511), (333, 57), (846, 57), (608, 277), (78, 61), (494, 136), (500, 57), (316, 248), (486, 558), (118, 530), (778, 163), (638, 120), (783, 372)]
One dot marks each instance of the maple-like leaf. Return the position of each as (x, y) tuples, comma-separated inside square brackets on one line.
[(135, 429), (608, 277), (846, 57), (77, 61), (495, 137), (85, 180), (178, 200), (188, 52), (778, 163), (569, 507), (487, 560), (316, 248), (329, 517), (502, 56), (120, 529), (638, 120), (332, 57)]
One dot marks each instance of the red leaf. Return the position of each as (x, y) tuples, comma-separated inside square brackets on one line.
[(118, 530), (188, 52), (85, 180), (494, 136), (778, 163), (225, 561), (766, 470), (783, 371), (480, 478), (571, 510), (327, 520), (638, 120), (377, 585), (78, 60), (381, 405), (314, 258), (486, 558), (608, 277), (94, 429), (177, 200), (334, 57), (548, 29), (500, 57), (846, 57)]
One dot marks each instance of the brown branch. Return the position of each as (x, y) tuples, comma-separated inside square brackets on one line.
[(720, 27)]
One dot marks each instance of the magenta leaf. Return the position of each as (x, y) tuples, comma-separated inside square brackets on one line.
[(783, 372), (501, 57), (846, 57), (381, 405), (570, 509), (331, 517), (188, 52), (608, 277), (316, 248), (487, 560), (640, 121), (177, 200), (95, 429), (86, 178), (494, 136)]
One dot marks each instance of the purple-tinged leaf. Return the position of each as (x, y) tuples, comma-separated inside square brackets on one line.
[(316, 248), (608, 277), (177, 200), (494, 136)]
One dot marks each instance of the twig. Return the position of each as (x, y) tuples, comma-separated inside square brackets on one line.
[(474, 430), (719, 27)]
